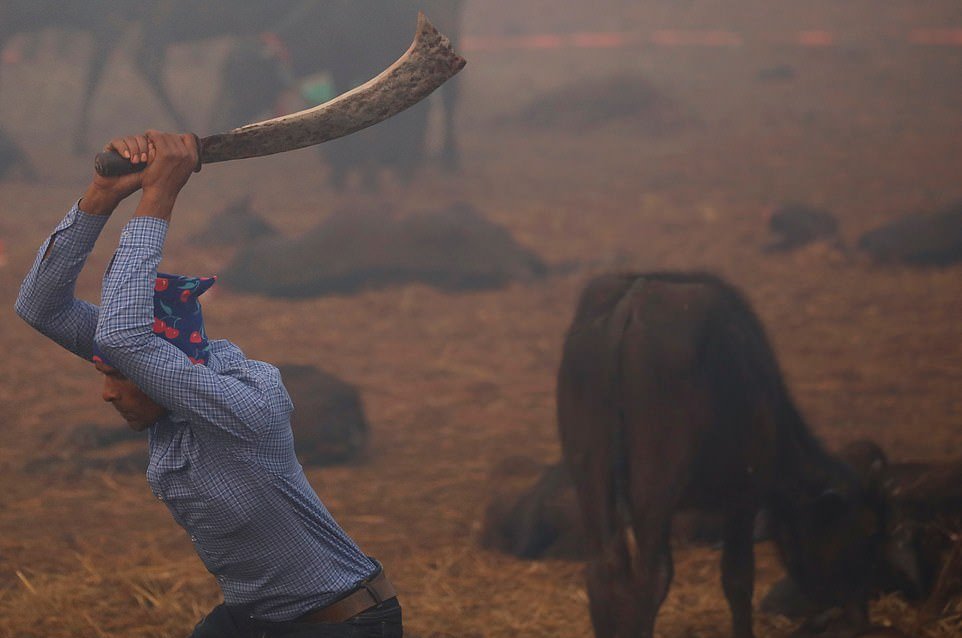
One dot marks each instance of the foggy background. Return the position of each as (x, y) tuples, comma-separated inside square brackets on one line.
[(594, 137)]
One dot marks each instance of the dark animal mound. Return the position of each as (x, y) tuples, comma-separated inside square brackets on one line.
[(451, 249), (329, 423), (797, 225), (114, 448), (236, 225), (329, 427), (934, 239), (532, 512), (595, 102), (777, 72)]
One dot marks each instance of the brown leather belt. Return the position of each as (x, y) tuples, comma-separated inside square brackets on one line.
[(371, 593)]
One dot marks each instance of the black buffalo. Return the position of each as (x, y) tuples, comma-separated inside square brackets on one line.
[(532, 512), (796, 225), (329, 422), (352, 39), (932, 239), (669, 395), (923, 553), (454, 248), (106, 21), (160, 24)]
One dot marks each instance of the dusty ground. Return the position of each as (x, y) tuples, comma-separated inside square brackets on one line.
[(868, 128)]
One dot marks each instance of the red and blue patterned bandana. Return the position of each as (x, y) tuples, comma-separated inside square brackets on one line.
[(177, 316)]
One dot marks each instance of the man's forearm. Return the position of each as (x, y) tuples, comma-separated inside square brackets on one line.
[(97, 201), (46, 300), (159, 205)]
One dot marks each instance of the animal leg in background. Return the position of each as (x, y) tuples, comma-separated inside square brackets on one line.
[(150, 59), (447, 14), (738, 568), (450, 153), (627, 498), (658, 443), (98, 60), (583, 403)]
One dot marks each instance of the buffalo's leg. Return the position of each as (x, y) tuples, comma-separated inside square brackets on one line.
[(590, 466), (664, 572), (598, 584), (450, 153), (628, 584), (98, 60), (652, 570), (592, 478), (150, 61), (738, 569)]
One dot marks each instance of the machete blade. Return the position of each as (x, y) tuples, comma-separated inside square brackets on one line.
[(428, 63)]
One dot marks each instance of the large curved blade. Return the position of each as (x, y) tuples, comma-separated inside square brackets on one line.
[(427, 64)]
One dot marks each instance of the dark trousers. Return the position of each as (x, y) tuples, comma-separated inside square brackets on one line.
[(225, 621)]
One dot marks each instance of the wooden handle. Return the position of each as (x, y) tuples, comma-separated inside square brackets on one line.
[(113, 164)]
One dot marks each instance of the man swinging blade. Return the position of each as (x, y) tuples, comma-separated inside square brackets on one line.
[(221, 450)]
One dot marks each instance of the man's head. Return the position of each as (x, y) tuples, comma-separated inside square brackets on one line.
[(178, 320), (138, 409)]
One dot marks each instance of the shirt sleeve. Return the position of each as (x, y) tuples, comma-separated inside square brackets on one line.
[(157, 367), (46, 300)]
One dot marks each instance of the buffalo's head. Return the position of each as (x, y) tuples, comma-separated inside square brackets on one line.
[(832, 535)]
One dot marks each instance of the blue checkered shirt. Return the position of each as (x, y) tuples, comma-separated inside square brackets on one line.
[(222, 460)]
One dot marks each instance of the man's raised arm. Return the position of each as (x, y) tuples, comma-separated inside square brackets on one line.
[(46, 300)]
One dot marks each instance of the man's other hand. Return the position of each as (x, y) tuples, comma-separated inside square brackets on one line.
[(171, 158)]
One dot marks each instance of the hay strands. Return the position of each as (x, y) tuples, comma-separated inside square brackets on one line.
[(26, 582)]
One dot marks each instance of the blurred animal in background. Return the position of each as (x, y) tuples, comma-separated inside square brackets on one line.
[(346, 43), (777, 73), (670, 395), (255, 73), (927, 528), (797, 225), (329, 422), (277, 41), (879, 632), (90, 447), (13, 159), (330, 427), (454, 248), (160, 23), (933, 239), (923, 539), (105, 21), (598, 101), (167, 22), (236, 225), (532, 512), (373, 37), (106, 24)]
